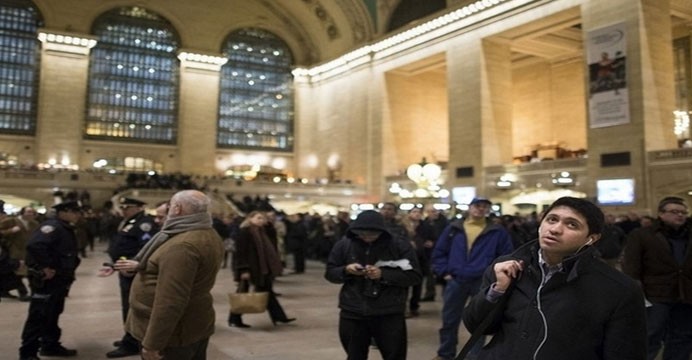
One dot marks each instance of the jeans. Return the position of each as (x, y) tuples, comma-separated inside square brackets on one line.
[(455, 295), (669, 325)]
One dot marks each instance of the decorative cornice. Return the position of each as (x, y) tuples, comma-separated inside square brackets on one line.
[(431, 30), (201, 61), (66, 42)]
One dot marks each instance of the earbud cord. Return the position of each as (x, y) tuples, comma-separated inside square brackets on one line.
[(540, 311)]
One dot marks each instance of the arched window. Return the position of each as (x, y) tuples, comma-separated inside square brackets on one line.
[(19, 65), (133, 78), (256, 96)]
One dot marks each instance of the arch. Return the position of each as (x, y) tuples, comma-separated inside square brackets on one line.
[(19, 66), (133, 78), (256, 92)]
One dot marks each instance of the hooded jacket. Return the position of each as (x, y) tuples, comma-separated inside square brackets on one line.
[(360, 296), (587, 311), (450, 255)]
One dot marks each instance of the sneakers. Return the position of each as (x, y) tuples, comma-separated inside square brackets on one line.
[(57, 350)]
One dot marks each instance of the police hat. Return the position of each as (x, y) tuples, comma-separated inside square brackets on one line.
[(480, 200), (67, 206), (125, 202)]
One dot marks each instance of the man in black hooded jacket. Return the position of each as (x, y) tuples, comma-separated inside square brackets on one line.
[(375, 270)]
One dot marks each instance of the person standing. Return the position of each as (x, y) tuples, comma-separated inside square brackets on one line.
[(375, 271), (15, 232), (172, 312), (256, 262), (136, 229), (421, 235), (52, 260), (555, 299), (660, 258), (460, 256), (436, 219)]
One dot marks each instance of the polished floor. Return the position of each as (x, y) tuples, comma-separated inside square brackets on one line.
[(91, 321)]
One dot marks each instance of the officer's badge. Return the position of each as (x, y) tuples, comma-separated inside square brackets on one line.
[(47, 229), (146, 227), (127, 228)]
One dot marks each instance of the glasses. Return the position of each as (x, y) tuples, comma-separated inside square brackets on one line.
[(676, 212)]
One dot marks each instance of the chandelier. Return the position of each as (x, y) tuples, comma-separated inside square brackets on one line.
[(427, 177)]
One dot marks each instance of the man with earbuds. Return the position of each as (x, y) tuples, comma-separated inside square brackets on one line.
[(660, 258), (555, 299)]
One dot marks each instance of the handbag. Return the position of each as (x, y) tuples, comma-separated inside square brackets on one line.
[(248, 302)]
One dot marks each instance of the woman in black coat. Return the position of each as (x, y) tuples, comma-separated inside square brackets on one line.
[(256, 262), (555, 299)]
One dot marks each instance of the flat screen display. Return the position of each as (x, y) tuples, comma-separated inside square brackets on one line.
[(615, 191)]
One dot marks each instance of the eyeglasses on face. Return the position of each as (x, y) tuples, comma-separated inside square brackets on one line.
[(677, 212)]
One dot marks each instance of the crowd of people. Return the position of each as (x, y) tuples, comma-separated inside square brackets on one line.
[(569, 283)]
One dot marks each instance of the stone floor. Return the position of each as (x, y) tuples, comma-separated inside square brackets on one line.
[(91, 321)]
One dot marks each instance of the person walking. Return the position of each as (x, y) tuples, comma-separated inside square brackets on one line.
[(375, 271), (172, 313), (15, 232), (554, 298), (52, 260), (256, 262), (460, 257), (659, 257)]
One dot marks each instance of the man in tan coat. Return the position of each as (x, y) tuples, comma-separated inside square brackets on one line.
[(171, 306)]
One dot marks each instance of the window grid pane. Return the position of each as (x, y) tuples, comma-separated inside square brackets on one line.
[(133, 79), (19, 58), (256, 95)]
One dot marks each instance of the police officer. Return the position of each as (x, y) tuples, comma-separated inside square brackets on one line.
[(52, 260), (134, 231)]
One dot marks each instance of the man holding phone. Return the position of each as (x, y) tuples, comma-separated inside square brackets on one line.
[(376, 271)]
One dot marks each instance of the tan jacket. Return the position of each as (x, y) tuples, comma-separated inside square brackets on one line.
[(170, 301), (16, 242)]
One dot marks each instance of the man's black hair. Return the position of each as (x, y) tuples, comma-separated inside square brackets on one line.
[(592, 213)]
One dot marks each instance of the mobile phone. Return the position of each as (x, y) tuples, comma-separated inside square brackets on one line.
[(107, 264)]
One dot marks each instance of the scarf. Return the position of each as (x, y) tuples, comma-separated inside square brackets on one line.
[(171, 227), (268, 259)]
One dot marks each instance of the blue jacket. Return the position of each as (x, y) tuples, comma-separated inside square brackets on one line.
[(450, 255)]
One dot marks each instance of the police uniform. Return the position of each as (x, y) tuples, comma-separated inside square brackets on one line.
[(133, 233), (52, 245)]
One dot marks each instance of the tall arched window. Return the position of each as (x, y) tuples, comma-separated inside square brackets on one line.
[(133, 78), (256, 96), (19, 65)]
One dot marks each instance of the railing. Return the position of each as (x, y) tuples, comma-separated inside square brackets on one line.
[(673, 155)]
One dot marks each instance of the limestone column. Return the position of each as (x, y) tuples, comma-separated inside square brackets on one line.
[(198, 112), (62, 96), (650, 86), (480, 109)]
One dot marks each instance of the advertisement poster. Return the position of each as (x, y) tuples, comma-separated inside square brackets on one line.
[(608, 95)]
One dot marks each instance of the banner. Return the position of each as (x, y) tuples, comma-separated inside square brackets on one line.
[(608, 95)]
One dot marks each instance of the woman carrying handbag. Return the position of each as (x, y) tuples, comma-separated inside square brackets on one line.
[(256, 260)]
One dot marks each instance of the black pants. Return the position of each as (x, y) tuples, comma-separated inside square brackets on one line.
[(299, 260), (41, 327), (276, 312), (388, 331)]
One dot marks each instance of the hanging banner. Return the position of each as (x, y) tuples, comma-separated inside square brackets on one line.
[(608, 95)]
